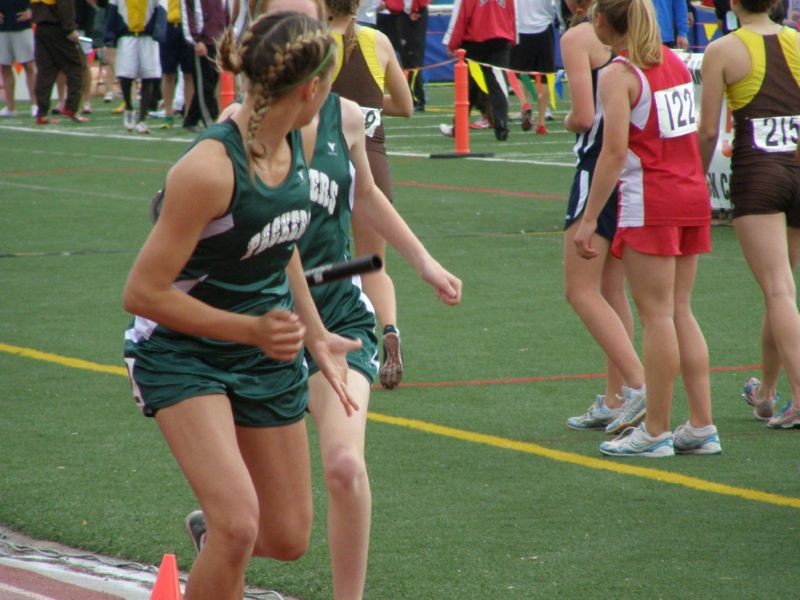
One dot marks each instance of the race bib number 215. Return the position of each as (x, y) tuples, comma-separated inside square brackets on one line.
[(776, 134), (677, 112)]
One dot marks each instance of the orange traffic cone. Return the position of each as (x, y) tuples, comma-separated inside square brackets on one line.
[(227, 88), (461, 111), (167, 585)]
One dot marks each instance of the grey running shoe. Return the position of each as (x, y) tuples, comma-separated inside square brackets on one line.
[(633, 411), (596, 417), (762, 409), (687, 441), (391, 371), (196, 528)]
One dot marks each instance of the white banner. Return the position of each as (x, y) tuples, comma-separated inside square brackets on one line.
[(719, 172)]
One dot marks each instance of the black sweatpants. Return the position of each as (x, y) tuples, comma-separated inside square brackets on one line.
[(53, 52)]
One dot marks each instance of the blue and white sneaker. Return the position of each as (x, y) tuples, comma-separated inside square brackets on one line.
[(691, 440), (633, 411), (596, 417), (635, 441)]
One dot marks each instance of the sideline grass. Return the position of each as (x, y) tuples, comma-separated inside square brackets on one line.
[(453, 518)]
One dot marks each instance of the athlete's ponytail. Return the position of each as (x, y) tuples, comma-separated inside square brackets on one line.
[(636, 21)]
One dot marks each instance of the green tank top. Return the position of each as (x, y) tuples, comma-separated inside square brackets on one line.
[(327, 239), (240, 260)]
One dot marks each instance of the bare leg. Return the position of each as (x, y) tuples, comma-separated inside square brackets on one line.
[(378, 285), (279, 464), (9, 86), (692, 345), (168, 91), (542, 102), (652, 282), (765, 244), (201, 434), (349, 497), (613, 290), (582, 288)]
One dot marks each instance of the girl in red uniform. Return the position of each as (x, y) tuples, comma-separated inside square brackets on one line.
[(650, 148)]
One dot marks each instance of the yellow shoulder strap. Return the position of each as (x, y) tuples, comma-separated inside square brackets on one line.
[(788, 38), (367, 41), (742, 92)]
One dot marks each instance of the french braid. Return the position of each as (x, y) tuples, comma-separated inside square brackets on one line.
[(277, 53)]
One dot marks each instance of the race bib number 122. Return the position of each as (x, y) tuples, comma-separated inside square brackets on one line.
[(677, 113)]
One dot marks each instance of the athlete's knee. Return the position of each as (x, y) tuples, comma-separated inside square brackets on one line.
[(345, 470), (234, 533), (287, 543)]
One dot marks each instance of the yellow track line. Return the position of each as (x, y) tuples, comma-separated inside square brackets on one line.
[(75, 363), (489, 440)]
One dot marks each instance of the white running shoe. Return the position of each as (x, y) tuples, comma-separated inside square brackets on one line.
[(633, 411), (7, 112), (635, 441), (446, 130), (129, 119), (691, 440), (142, 128), (596, 417)]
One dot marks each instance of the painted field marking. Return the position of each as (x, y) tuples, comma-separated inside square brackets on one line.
[(491, 440)]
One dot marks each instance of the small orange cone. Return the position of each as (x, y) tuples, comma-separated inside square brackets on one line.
[(167, 586), (227, 88)]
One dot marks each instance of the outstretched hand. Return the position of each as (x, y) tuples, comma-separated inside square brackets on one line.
[(280, 334), (331, 357)]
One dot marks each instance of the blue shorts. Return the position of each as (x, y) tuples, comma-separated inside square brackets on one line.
[(578, 196), (176, 51)]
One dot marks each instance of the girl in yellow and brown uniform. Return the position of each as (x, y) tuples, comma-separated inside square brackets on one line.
[(366, 66), (758, 68)]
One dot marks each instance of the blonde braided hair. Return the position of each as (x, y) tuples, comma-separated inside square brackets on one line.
[(277, 53)]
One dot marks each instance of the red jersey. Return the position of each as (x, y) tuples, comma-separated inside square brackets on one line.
[(481, 20), (662, 182)]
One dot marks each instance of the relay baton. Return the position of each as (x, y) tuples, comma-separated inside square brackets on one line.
[(342, 269)]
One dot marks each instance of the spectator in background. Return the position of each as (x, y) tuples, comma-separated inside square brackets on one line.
[(16, 46), (486, 29), (105, 54), (411, 28), (203, 23), (134, 25), (175, 52), (536, 51), (673, 23), (84, 17), (56, 49)]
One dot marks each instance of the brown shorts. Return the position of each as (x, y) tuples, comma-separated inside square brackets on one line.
[(767, 187), (379, 165)]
